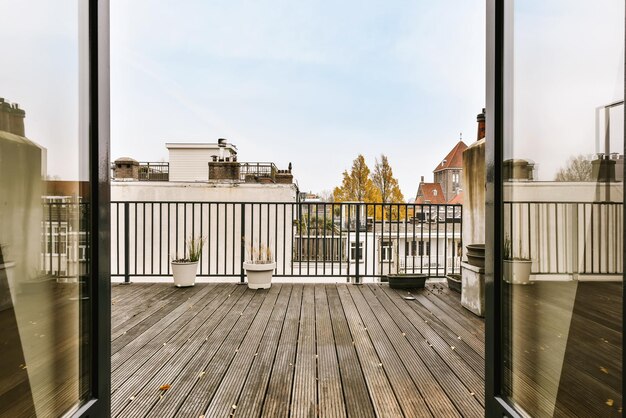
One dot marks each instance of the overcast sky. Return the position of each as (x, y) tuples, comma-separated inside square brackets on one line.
[(319, 82), (312, 83)]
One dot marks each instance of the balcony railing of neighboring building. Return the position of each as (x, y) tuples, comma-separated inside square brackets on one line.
[(64, 237), (306, 239), (257, 172), (146, 171), (567, 238)]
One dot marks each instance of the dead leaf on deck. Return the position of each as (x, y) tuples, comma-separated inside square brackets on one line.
[(609, 402), (164, 387), (604, 370)]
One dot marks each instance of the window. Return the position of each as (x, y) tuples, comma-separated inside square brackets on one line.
[(424, 248), (410, 248), (387, 251), (353, 254)]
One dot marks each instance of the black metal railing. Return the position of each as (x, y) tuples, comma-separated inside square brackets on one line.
[(256, 171), (567, 238), (352, 240), (149, 171)]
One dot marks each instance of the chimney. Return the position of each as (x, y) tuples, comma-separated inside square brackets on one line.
[(11, 118), (422, 180), (126, 169), (221, 143), (481, 125)]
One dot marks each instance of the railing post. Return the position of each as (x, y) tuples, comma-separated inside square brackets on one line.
[(359, 254), (126, 243), (242, 278)]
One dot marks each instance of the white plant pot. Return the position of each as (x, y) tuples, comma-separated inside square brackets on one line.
[(259, 275), (184, 273), (517, 271)]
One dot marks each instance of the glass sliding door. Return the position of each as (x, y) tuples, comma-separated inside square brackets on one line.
[(49, 218), (557, 171)]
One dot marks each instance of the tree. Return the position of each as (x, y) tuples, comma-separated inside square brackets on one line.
[(385, 183), (357, 186), (578, 168)]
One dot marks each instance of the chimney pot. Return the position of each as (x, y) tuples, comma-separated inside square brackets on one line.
[(480, 118)]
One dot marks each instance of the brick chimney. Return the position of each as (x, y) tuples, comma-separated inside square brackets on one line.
[(126, 169), (481, 125), (11, 118), (224, 170)]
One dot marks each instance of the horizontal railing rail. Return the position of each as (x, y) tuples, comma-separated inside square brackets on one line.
[(352, 240)]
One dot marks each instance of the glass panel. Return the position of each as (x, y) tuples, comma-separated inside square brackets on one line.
[(563, 213), (44, 233)]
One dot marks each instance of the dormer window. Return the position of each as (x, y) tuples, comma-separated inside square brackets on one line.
[(434, 192)]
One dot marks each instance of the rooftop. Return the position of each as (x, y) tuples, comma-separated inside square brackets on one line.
[(454, 159)]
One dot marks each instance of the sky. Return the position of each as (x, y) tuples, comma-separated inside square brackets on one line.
[(317, 83), (312, 83)]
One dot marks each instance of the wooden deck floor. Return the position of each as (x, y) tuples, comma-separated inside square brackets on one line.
[(294, 350)]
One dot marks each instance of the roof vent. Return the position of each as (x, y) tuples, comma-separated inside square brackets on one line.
[(435, 192)]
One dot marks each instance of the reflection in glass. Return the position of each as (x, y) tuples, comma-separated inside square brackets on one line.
[(563, 211), (44, 234)]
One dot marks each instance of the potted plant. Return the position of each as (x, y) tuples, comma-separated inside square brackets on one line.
[(259, 266), (184, 269), (516, 270)]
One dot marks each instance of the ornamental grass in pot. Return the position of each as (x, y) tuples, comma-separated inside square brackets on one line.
[(259, 266), (184, 269)]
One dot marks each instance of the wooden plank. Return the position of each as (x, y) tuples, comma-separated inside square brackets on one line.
[(185, 369), (304, 395), (150, 353), (178, 347), (278, 395), (402, 333), (437, 333), (198, 398), (122, 294), (225, 400), (250, 402), (469, 336), (142, 311), (357, 398), (425, 339), (449, 299), (406, 386), (123, 348), (178, 299), (329, 387), (380, 390)]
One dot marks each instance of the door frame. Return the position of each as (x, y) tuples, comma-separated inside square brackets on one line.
[(496, 20), (98, 286)]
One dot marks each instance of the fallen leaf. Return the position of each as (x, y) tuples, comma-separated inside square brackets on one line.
[(132, 398), (201, 374), (164, 387), (452, 347), (609, 402), (234, 406), (604, 370)]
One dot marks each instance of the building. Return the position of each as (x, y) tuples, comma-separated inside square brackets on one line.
[(448, 172)]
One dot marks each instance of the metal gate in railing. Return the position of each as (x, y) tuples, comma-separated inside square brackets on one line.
[(306, 239)]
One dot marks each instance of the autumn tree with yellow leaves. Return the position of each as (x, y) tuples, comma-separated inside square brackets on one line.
[(357, 186), (379, 186)]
